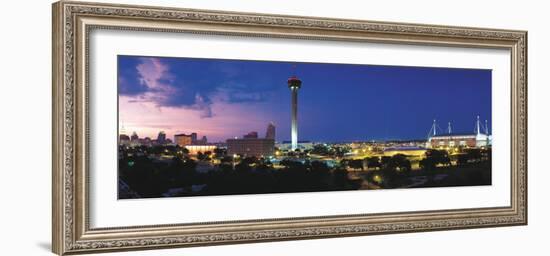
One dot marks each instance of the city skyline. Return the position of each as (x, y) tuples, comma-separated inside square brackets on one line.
[(224, 99)]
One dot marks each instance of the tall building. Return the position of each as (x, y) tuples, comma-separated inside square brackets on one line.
[(161, 138), (251, 145), (257, 147), (123, 139), (270, 132), (294, 84), (134, 137), (183, 139), (194, 137), (134, 140)]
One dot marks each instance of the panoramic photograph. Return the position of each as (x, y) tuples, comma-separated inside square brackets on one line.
[(212, 127)]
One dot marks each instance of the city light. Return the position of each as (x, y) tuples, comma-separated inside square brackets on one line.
[(377, 178), (341, 146)]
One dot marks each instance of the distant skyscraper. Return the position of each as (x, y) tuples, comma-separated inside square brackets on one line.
[(204, 140), (161, 138), (194, 137), (123, 139), (270, 132), (294, 84)]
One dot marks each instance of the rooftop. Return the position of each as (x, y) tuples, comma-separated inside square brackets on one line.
[(300, 141), (456, 134), (404, 148)]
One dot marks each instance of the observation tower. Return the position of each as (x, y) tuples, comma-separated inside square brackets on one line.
[(294, 84)]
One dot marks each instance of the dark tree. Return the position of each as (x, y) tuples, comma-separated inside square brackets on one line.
[(220, 152), (373, 162), (356, 164)]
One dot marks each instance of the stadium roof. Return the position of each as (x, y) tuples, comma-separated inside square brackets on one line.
[(455, 134), (404, 148)]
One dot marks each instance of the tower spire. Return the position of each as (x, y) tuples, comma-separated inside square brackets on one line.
[(122, 129), (433, 130), (486, 127), (449, 129), (478, 126)]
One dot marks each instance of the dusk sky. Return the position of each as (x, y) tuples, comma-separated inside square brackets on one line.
[(337, 102)]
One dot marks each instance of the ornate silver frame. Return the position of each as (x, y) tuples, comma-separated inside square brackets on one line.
[(72, 22)]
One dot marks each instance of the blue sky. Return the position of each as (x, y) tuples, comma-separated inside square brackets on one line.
[(337, 102)]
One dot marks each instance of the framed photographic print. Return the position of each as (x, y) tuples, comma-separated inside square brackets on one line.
[(179, 127)]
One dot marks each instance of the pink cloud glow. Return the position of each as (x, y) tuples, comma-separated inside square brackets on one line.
[(152, 70), (149, 112), (157, 77), (147, 119)]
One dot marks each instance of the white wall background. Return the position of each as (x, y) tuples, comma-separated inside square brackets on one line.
[(25, 151)]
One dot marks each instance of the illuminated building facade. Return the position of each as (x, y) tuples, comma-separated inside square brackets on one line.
[(195, 149), (301, 145), (408, 151), (478, 138), (251, 147), (183, 139), (454, 140)]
